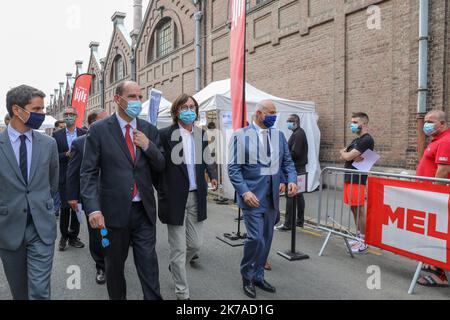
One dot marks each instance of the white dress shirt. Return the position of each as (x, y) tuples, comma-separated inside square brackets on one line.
[(189, 156), (133, 124), (14, 137)]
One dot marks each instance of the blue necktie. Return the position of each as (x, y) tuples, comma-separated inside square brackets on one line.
[(23, 155)]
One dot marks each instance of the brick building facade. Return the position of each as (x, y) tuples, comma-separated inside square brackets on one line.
[(320, 50)]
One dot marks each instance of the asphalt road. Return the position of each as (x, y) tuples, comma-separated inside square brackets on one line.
[(215, 276)]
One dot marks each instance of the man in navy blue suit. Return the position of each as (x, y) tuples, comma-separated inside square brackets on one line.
[(259, 162)]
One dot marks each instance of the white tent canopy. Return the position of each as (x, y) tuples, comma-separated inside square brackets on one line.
[(217, 97)]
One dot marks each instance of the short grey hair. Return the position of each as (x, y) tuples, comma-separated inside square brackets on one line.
[(440, 115), (21, 96)]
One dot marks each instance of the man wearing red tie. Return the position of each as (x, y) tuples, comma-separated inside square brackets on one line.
[(124, 153)]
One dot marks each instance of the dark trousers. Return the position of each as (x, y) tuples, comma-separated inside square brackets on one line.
[(290, 210), (95, 247), (68, 219), (143, 235)]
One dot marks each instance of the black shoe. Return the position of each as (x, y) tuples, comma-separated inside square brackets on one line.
[(100, 278), (300, 225), (249, 289), (76, 243), (63, 244), (282, 228), (265, 286)]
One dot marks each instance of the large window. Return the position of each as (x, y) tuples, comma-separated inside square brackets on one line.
[(118, 69), (164, 39)]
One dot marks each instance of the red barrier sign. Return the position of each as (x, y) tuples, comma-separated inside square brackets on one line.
[(410, 219)]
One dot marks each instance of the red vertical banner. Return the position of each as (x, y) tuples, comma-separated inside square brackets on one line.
[(237, 63), (80, 96)]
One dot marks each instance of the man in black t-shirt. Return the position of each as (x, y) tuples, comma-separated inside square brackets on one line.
[(354, 186)]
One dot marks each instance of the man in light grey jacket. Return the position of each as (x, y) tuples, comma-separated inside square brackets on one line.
[(28, 182)]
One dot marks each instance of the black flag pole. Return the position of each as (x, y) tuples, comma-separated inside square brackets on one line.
[(293, 254), (236, 239)]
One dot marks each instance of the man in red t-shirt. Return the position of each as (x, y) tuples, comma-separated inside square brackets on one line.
[(435, 163)]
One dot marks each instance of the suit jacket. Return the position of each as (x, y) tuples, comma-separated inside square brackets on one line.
[(106, 151), (173, 185), (63, 147), (250, 170), (15, 194), (298, 145), (74, 168)]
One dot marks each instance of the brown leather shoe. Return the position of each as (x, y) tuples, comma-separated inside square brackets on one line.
[(268, 267)]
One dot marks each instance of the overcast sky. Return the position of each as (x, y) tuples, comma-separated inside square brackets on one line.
[(42, 39)]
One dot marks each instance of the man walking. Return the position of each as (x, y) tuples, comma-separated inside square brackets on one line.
[(68, 223), (259, 155), (183, 189), (298, 146), (28, 181), (124, 152), (73, 194)]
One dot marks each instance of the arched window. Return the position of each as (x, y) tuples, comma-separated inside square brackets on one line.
[(117, 73), (164, 39), (94, 85)]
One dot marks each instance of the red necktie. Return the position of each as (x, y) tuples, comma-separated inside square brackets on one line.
[(130, 146)]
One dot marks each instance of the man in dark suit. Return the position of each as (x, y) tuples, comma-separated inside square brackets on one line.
[(298, 146), (73, 193), (183, 189), (124, 152), (68, 224)]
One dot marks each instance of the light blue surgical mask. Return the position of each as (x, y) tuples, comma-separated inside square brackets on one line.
[(429, 129), (355, 128), (134, 108), (188, 117), (291, 126)]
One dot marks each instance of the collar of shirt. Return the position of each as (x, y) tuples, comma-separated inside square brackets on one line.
[(123, 123), (441, 135), (14, 135), (68, 133), (184, 132), (259, 129)]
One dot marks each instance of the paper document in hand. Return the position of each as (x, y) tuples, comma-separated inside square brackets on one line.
[(370, 158), (80, 214)]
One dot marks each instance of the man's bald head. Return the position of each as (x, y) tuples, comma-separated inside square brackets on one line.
[(266, 106), (437, 114), (438, 119), (263, 109)]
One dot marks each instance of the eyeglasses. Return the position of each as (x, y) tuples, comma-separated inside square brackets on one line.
[(187, 108), (105, 242)]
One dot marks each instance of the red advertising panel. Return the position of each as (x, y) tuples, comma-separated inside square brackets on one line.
[(80, 96), (410, 219)]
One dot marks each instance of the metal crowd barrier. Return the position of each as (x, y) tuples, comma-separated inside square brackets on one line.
[(336, 218)]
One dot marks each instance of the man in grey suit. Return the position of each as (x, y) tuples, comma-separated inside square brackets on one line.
[(28, 182)]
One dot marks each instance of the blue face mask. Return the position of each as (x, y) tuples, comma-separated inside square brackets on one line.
[(35, 120), (188, 117), (429, 129), (291, 126), (355, 128), (270, 121), (134, 109)]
